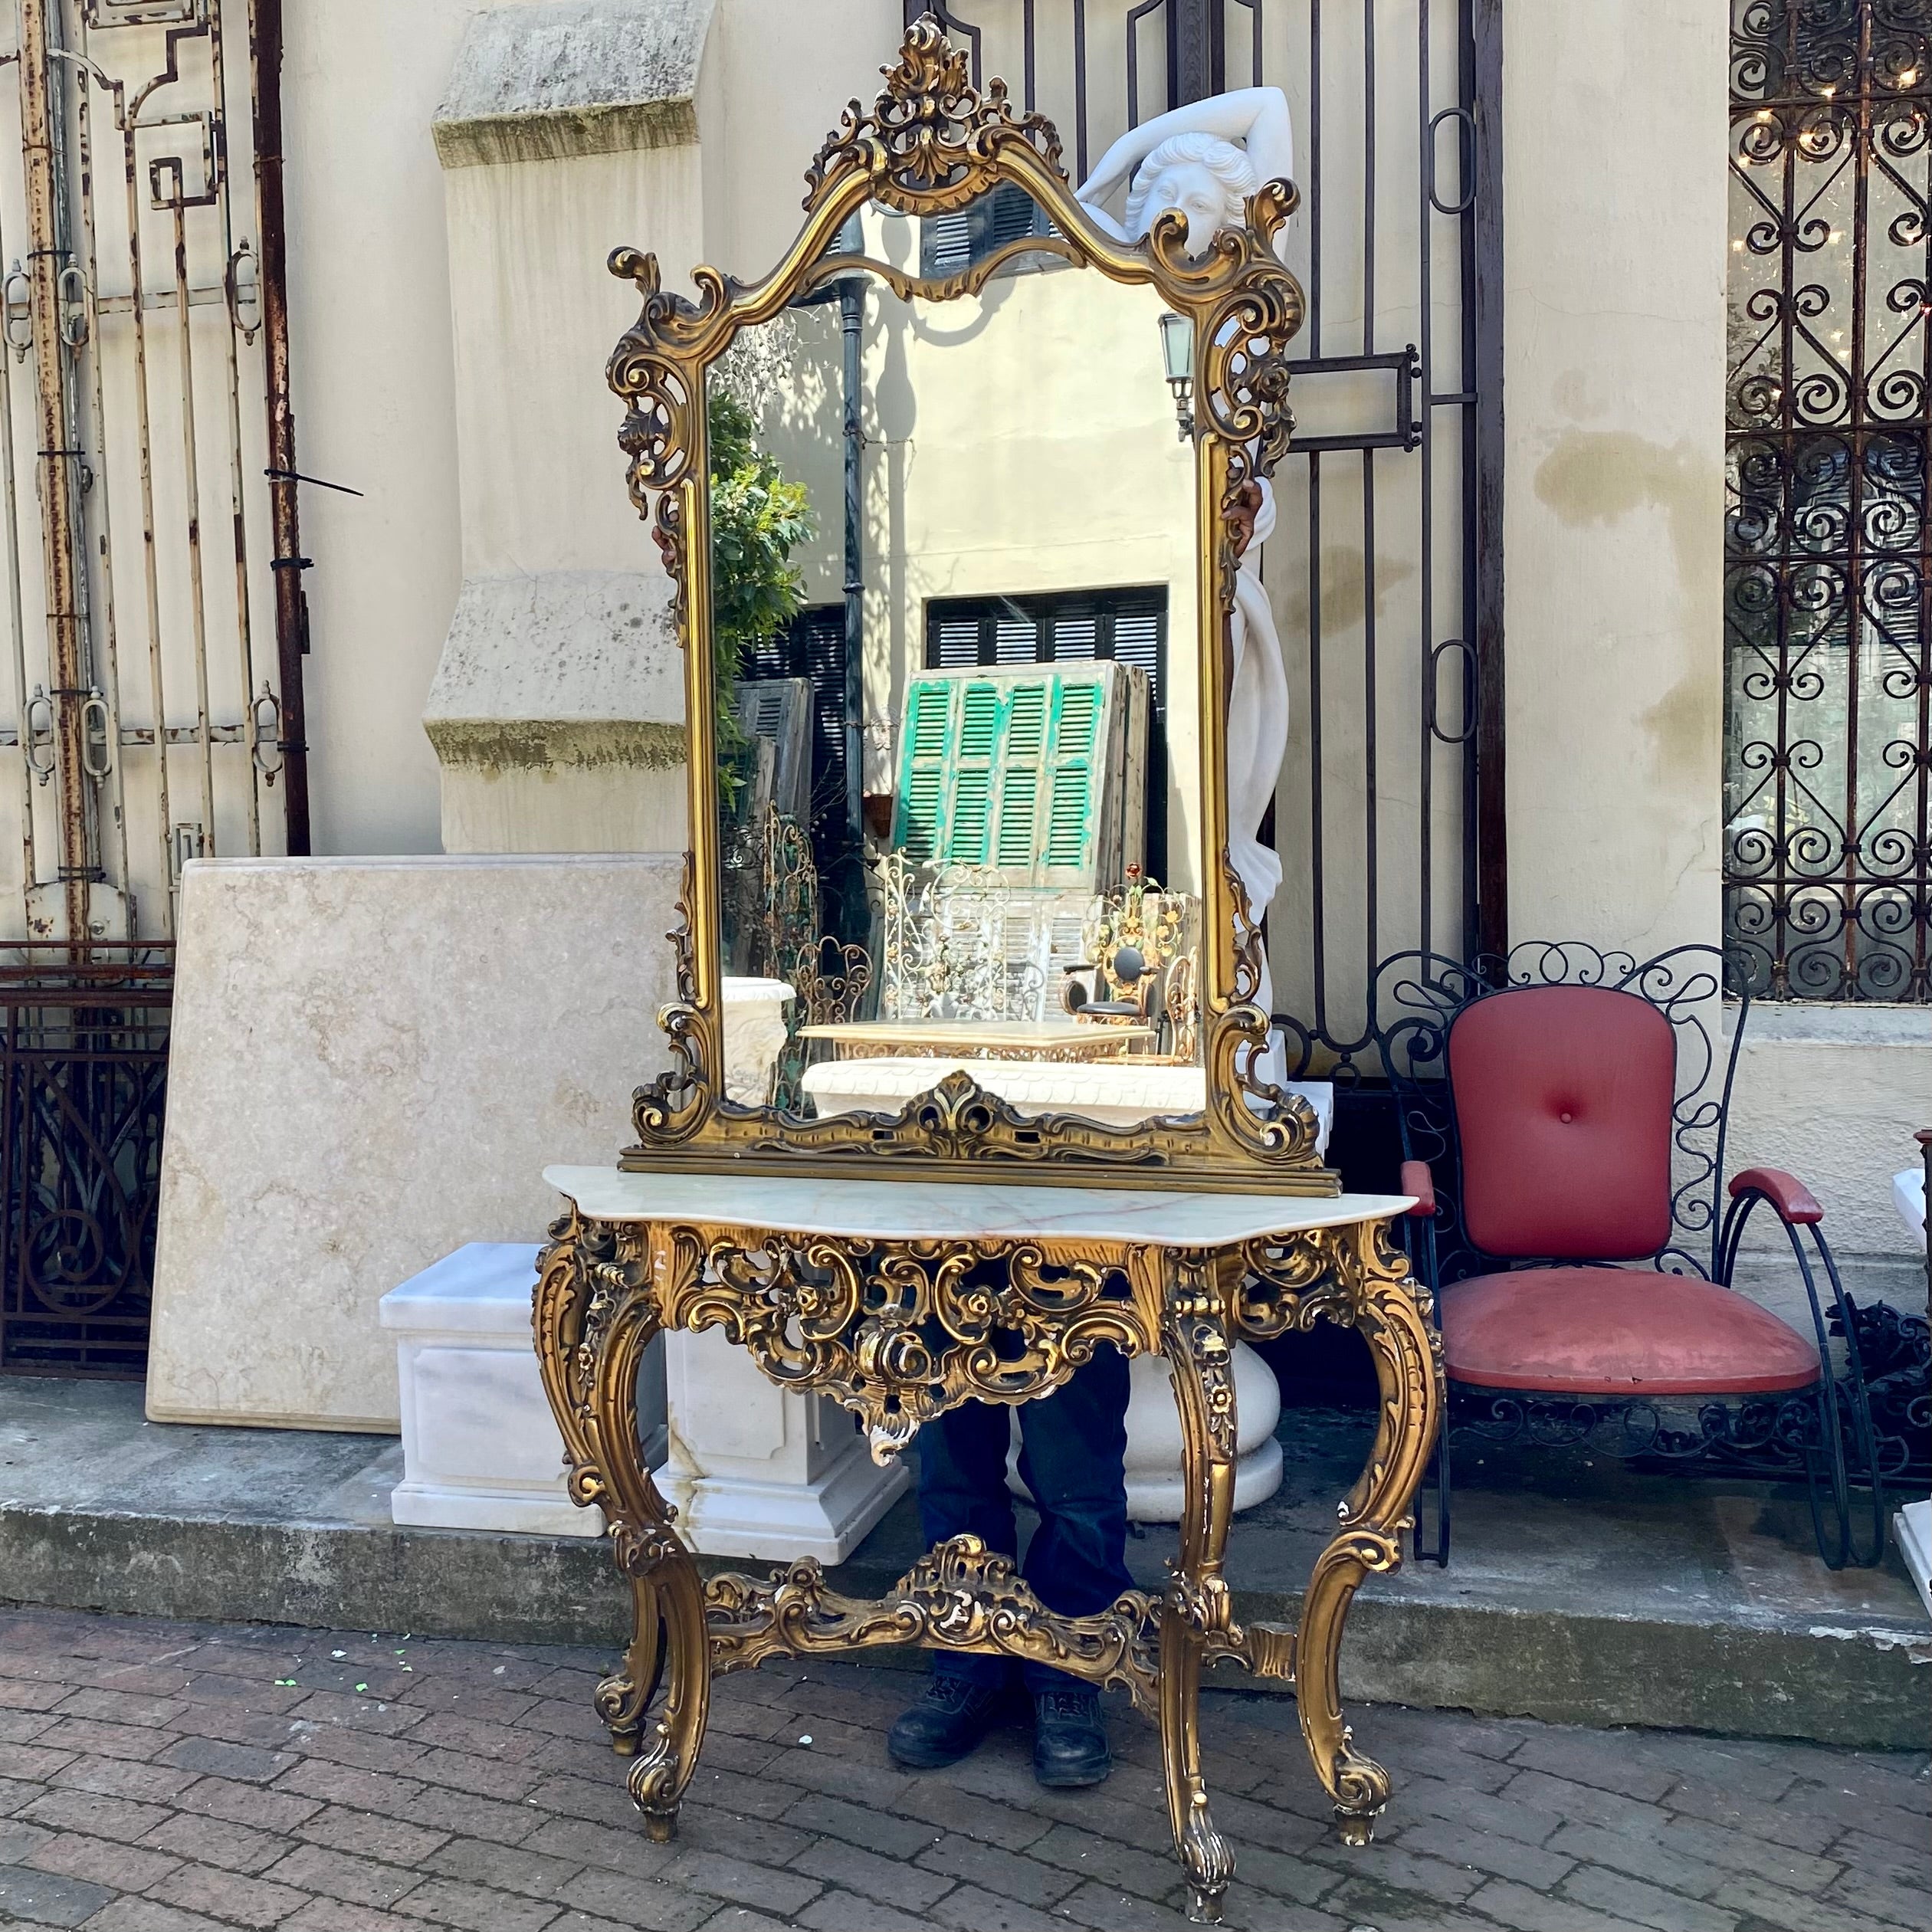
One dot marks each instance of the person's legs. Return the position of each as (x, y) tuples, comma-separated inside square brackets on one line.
[(962, 1490), (1074, 1460)]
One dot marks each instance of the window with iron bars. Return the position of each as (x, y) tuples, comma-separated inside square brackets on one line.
[(1828, 757), (1128, 625), (949, 243)]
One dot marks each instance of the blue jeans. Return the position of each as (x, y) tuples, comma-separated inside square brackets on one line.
[(1073, 1459)]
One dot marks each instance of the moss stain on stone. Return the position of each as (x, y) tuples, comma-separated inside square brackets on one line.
[(492, 747)]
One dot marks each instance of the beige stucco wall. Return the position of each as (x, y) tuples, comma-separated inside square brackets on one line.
[(1834, 1094), (450, 333), (376, 401), (1613, 308)]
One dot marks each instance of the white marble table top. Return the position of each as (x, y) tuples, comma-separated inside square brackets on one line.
[(1160, 1088), (914, 1210)]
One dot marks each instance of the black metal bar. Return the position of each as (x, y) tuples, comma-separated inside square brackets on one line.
[(1197, 51), (1485, 512), (291, 597), (851, 315), (1371, 690), (1080, 85)]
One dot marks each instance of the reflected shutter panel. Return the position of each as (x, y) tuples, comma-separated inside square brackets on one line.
[(981, 717), (1011, 769), (1073, 761), (1016, 846), (924, 756)]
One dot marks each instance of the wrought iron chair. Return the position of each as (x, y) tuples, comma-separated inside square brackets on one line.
[(1564, 1137)]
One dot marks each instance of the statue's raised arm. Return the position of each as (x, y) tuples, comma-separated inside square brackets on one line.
[(1188, 159)]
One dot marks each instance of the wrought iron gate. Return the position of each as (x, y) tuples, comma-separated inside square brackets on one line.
[(1386, 567), (1827, 739), (150, 555)]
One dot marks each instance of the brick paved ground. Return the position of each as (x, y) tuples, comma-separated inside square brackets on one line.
[(159, 1777)]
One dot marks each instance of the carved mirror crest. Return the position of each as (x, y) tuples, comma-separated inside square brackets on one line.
[(955, 501)]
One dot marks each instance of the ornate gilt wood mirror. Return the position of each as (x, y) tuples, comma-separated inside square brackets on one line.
[(954, 499)]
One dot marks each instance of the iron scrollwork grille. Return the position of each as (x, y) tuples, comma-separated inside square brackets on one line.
[(1828, 854), (84, 1059)]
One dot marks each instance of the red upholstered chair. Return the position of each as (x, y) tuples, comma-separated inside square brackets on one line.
[(1565, 1147)]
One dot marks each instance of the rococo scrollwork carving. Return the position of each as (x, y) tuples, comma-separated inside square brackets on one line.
[(898, 1333), (931, 142), (959, 1595)]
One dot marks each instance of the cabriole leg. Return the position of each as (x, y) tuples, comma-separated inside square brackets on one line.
[(658, 1778), (1194, 1339), (1393, 1315), (595, 1313)]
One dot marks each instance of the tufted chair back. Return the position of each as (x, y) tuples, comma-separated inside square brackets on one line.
[(1563, 1098)]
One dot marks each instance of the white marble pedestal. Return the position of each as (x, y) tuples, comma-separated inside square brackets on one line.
[(481, 1449), (755, 1470), (1153, 1458), (754, 1037)]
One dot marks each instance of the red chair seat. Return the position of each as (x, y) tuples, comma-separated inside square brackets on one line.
[(1617, 1331)]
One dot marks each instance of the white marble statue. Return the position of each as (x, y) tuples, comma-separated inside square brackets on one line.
[(1194, 159)]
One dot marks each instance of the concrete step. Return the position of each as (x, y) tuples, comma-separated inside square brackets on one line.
[(1578, 1593)]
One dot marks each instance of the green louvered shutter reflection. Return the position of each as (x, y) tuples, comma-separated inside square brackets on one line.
[(1017, 846), (982, 718), (1007, 768), (922, 769), (1071, 820)]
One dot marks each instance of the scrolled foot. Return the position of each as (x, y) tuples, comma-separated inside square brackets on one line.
[(1354, 1827), (1203, 1907), (655, 1790), (1361, 1791), (1209, 1860)]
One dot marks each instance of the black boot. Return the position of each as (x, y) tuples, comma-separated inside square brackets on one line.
[(1069, 1739), (947, 1723)]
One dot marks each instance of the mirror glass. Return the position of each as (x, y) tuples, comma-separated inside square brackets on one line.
[(954, 576)]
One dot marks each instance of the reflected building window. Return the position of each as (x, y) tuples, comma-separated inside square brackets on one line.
[(1127, 626), (813, 646), (949, 243)]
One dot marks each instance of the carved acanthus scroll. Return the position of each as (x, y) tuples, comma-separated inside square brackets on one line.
[(960, 1596)]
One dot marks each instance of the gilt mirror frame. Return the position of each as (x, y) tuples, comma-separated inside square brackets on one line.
[(931, 144)]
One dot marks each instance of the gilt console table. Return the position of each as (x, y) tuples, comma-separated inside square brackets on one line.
[(904, 1298)]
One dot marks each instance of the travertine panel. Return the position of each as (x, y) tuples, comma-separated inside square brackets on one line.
[(372, 1061)]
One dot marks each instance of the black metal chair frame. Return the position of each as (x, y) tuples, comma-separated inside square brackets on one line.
[(1419, 997)]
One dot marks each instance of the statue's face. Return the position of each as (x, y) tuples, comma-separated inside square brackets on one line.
[(1197, 192)]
